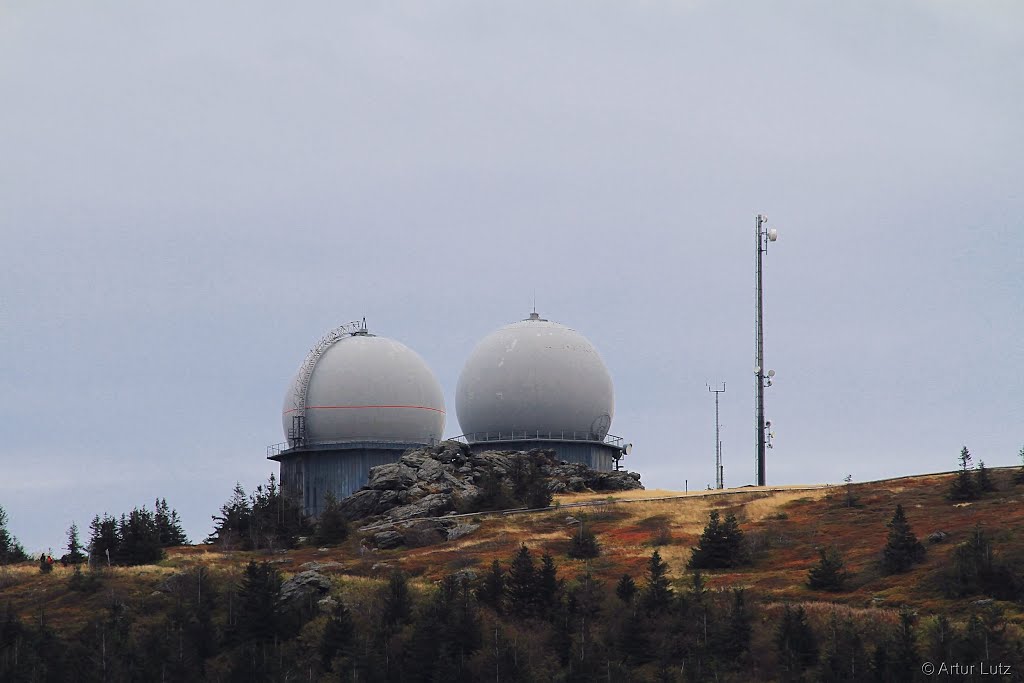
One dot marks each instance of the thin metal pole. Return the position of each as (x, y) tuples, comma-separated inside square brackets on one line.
[(718, 449), (759, 363), (719, 476)]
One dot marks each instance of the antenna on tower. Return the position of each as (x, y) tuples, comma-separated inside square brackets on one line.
[(719, 472)]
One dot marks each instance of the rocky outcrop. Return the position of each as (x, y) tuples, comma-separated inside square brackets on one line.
[(431, 481), (304, 588)]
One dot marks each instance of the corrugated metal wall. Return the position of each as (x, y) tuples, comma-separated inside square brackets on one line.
[(308, 476)]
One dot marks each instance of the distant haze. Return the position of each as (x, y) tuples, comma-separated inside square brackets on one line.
[(192, 193)]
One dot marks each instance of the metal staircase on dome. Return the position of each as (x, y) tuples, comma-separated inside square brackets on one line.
[(297, 432)]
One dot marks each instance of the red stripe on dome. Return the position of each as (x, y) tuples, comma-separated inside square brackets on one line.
[(292, 410)]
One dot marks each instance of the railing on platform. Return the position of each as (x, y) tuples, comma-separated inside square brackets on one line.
[(536, 435), (345, 444)]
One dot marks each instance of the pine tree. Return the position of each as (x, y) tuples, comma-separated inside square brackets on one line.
[(795, 642), (273, 520), (942, 636), (733, 540), (963, 486), (338, 637), (843, 658), (105, 539), (634, 641), (902, 550), (522, 584), (626, 589), (982, 481), (74, 554), (257, 602), (10, 550), (140, 538), (395, 602), (169, 525), (850, 499), (829, 574), (977, 569), (492, 591), (549, 586), (332, 527), (583, 544), (1018, 477), (720, 544), (904, 662), (735, 640), (231, 526), (657, 596)]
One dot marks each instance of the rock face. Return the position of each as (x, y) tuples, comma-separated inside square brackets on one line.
[(306, 587), (430, 481)]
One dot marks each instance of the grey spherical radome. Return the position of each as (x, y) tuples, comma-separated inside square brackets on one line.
[(366, 388), (536, 377)]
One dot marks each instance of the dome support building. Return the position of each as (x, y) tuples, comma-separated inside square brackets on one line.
[(539, 384), (358, 400)]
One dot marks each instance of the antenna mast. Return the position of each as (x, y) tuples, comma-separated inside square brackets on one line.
[(762, 236), (719, 472)]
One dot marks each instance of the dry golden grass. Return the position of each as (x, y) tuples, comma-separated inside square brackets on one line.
[(643, 494), (786, 525)]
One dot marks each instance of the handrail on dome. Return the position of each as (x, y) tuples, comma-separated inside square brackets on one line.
[(301, 387)]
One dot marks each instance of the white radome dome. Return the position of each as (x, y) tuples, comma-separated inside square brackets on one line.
[(368, 388), (535, 376)]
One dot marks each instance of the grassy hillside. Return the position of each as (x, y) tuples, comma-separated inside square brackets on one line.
[(783, 529)]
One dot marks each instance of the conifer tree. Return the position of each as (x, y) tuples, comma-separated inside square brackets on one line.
[(977, 569), (850, 498), (735, 641), (332, 527), (941, 637), (396, 602), (830, 573), (231, 526), (1018, 477), (843, 657), (492, 591), (169, 525), (657, 596), (904, 662), (549, 586), (257, 602), (795, 642), (140, 538), (583, 544), (902, 550), (634, 641), (10, 550), (74, 554), (105, 539), (339, 633), (963, 486), (625, 589), (982, 480), (522, 584), (275, 520), (720, 544)]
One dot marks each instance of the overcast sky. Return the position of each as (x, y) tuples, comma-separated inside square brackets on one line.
[(191, 194)]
